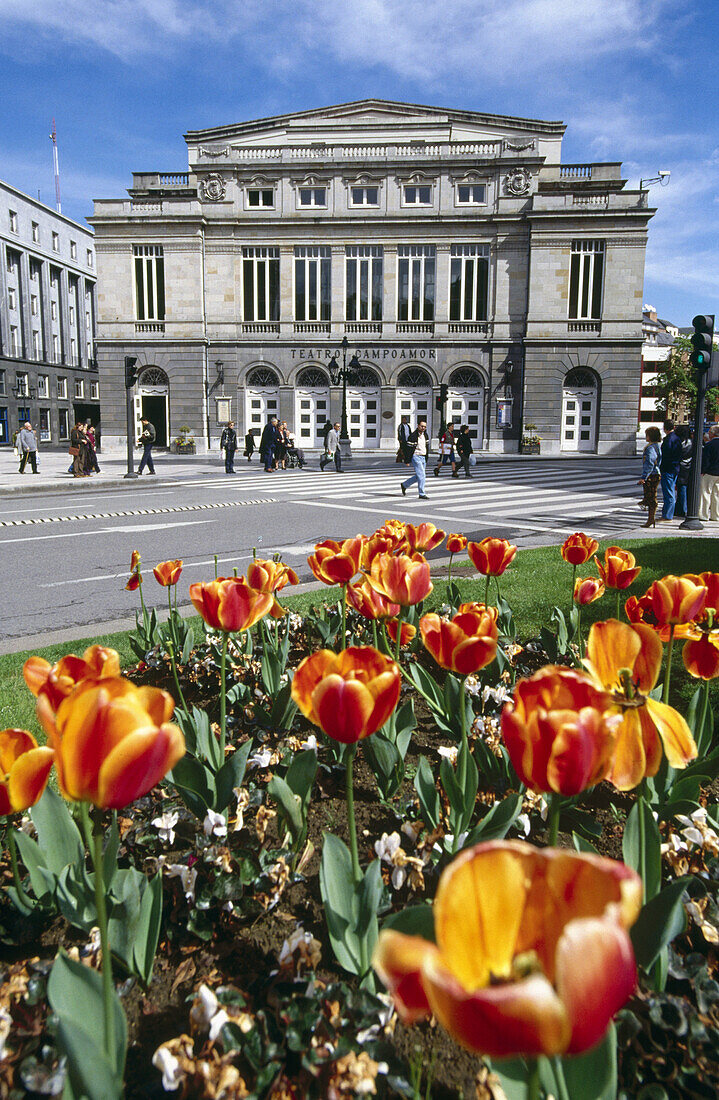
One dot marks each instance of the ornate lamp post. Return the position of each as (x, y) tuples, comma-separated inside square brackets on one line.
[(343, 372)]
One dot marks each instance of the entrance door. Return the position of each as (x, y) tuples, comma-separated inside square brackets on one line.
[(261, 403), (579, 417), (417, 405), (363, 407), (154, 409), (465, 405), (312, 408)]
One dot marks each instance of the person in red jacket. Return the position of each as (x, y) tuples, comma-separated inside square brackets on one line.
[(447, 452)]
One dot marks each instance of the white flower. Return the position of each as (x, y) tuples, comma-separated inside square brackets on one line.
[(310, 743), (165, 825), (217, 1023), (204, 1008), (694, 836), (449, 752), (523, 823), (449, 841), (304, 946), (260, 759), (387, 846), (215, 824), (5, 1026), (188, 876), (169, 1067)]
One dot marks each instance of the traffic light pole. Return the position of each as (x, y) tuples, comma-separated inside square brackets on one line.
[(130, 379), (692, 522)]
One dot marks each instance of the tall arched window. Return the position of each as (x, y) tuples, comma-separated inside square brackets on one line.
[(312, 406), (465, 401), (413, 397), (262, 376), (580, 406), (261, 398)]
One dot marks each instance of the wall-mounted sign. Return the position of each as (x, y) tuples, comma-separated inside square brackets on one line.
[(224, 409), (504, 412)]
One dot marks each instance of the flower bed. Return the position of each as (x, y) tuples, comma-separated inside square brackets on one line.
[(344, 769)]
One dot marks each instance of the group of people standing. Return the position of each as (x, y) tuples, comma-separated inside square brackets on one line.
[(82, 450), (278, 448), (414, 448), (668, 462)]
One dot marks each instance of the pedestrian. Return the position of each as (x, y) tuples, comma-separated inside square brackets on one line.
[(709, 506), (447, 453), (403, 434), (651, 460), (333, 449), (78, 449), (282, 442), (684, 433), (93, 466), (228, 444), (27, 447), (268, 444), (249, 445), (464, 448), (671, 457), (419, 445), (147, 438), (293, 451)]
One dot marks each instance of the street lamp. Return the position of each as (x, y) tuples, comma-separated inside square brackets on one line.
[(210, 389), (337, 372)]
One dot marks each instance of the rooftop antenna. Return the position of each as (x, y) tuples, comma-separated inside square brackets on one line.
[(56, 166)]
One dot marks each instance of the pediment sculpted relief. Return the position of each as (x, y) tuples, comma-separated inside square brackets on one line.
[(212, 188), (517, 182)]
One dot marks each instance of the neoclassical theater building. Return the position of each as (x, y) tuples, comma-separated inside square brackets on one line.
[(446, 246)]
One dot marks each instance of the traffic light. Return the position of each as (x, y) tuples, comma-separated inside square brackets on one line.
[(702, 342), (131, 372), (442, 399)]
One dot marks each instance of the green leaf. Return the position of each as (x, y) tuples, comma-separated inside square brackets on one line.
[(641, 847), (496, 824), (75, 893), (338, 894), (589, 1076), (426, 683), (230, 775), (190, 777), (148, 930), (75, 995), (300, 775), (513, 1074), (415, 920), (368, 899), (583, 845), (124, 922), (426, 789), (58, 836), (42, 880), (109, 858), (661, 919), (290, 806), (383, 758)]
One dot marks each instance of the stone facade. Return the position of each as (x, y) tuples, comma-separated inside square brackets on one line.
[(48, 371), (481, 262)]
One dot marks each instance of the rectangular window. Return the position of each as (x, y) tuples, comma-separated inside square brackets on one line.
[(365, 196), (72, 315), (586, 274), (73, 351), (34, 307), (79, 388), (15, 348), (149, 282), (44, 424), (260, 196), (11, 298), (415, 282), (64, 423), (261, 284), (4, 436), (73, 250), (468, 282), (313, 196), (21, 383), (23, 413), (55, 242), (35, 232), (471, 194), (56, 348), (313, 296), (2, 381), (94, 391), (36, 344), (53, 311), (42, 386), (62, 389), (89, 258), (364, 282), (418, 196), (13, 221)]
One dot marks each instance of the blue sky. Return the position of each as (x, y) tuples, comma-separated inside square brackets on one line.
[(634, 80)]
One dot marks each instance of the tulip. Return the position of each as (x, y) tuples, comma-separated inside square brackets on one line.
[(135, 580), (374, 545), (52, 683), (349, 695), (24, 770), (401, 578), (370, 603), (395, 532), (578, 548), (134, 560), (423, 538), (466, 643), (405, 631), (532, 956), (673, 602), (271, 576), (587, 590), (710, 581), (336, 562), (701, 656), (490, 557), (456, 543), (560, 731), (626, 660), (167, 573), (619, 569)]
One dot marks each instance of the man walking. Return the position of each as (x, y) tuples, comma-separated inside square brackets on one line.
[(228, 444), (669, 468), (268, 444), (27, 447), (464, 448), (403, 434), (419, 447), (333, 449), (147, 438)]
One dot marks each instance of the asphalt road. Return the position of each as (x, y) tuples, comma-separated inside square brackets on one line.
[(67, 554)]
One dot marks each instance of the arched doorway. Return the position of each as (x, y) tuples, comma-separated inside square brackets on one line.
[(262, 399), (152, 402), (580, 406), (312, 406), (465, 402), (414, 397), (363, 408)]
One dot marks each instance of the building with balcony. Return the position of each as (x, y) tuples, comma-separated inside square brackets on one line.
[(48, 370), (448, 247)]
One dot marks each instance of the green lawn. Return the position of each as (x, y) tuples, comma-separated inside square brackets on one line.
[(535, 582)]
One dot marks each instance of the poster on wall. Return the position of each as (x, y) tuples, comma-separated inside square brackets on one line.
[(224, 409), (504, 412)]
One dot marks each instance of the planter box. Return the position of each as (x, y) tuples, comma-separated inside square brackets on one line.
[(529, 448), (185, 449)]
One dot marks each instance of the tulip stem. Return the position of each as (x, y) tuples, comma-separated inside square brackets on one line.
[(449, 570), (462, 761), (374, 634), (171, 647), (574, 579), (558, 1067), (145, 616), (93, 834), (343, 639), (399, 633), (223, 695), (667, 674), (533, 1086), (354, 852), (499, 594), (486, 591), (618, 600), (12, 848), (703, 720), (579, 632), (553, 823)]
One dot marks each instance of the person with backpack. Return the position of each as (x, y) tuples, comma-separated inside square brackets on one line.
[(147, 438), (228, 444)]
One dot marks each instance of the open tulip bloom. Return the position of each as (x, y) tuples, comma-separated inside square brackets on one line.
[(464, 644), (671, 604), (52, 683), (24, 770), (490, 557), (167, 573), (532, 953), (577, 550), (424, 538)]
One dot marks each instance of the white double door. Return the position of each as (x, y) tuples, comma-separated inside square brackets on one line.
[(260, 404), (312, 408), (417, 405), (363, 417), (466, 406), (579, 419)]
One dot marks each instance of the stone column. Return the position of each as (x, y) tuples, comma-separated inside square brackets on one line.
[(389, 311), (45, 310), (441, 291), (64, 322), (24, 304), (338, 290), (287, 305)]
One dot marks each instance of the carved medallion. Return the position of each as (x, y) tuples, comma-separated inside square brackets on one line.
[(517, 181), (212, 188)]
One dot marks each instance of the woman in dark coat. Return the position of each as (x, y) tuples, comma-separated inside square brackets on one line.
[(651, 458), (464, 448), (685, 468)]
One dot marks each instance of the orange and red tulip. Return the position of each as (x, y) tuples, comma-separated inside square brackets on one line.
[(54, 682), (374, 545), (424, 538), (349, 695), (24, 770), (394, 531), (456, 543), (701, 656), (400, 578), (626, 661), (464, 644), (560, 731), (587, 590), (336, 562), (370, 603), (167, 573), (271, 577), (673, 601), (532, 952), (229, 604), (408, 631), (710, 581), (134, 582), (619, 569), (578, 548), (490, 557), (113, 741)]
